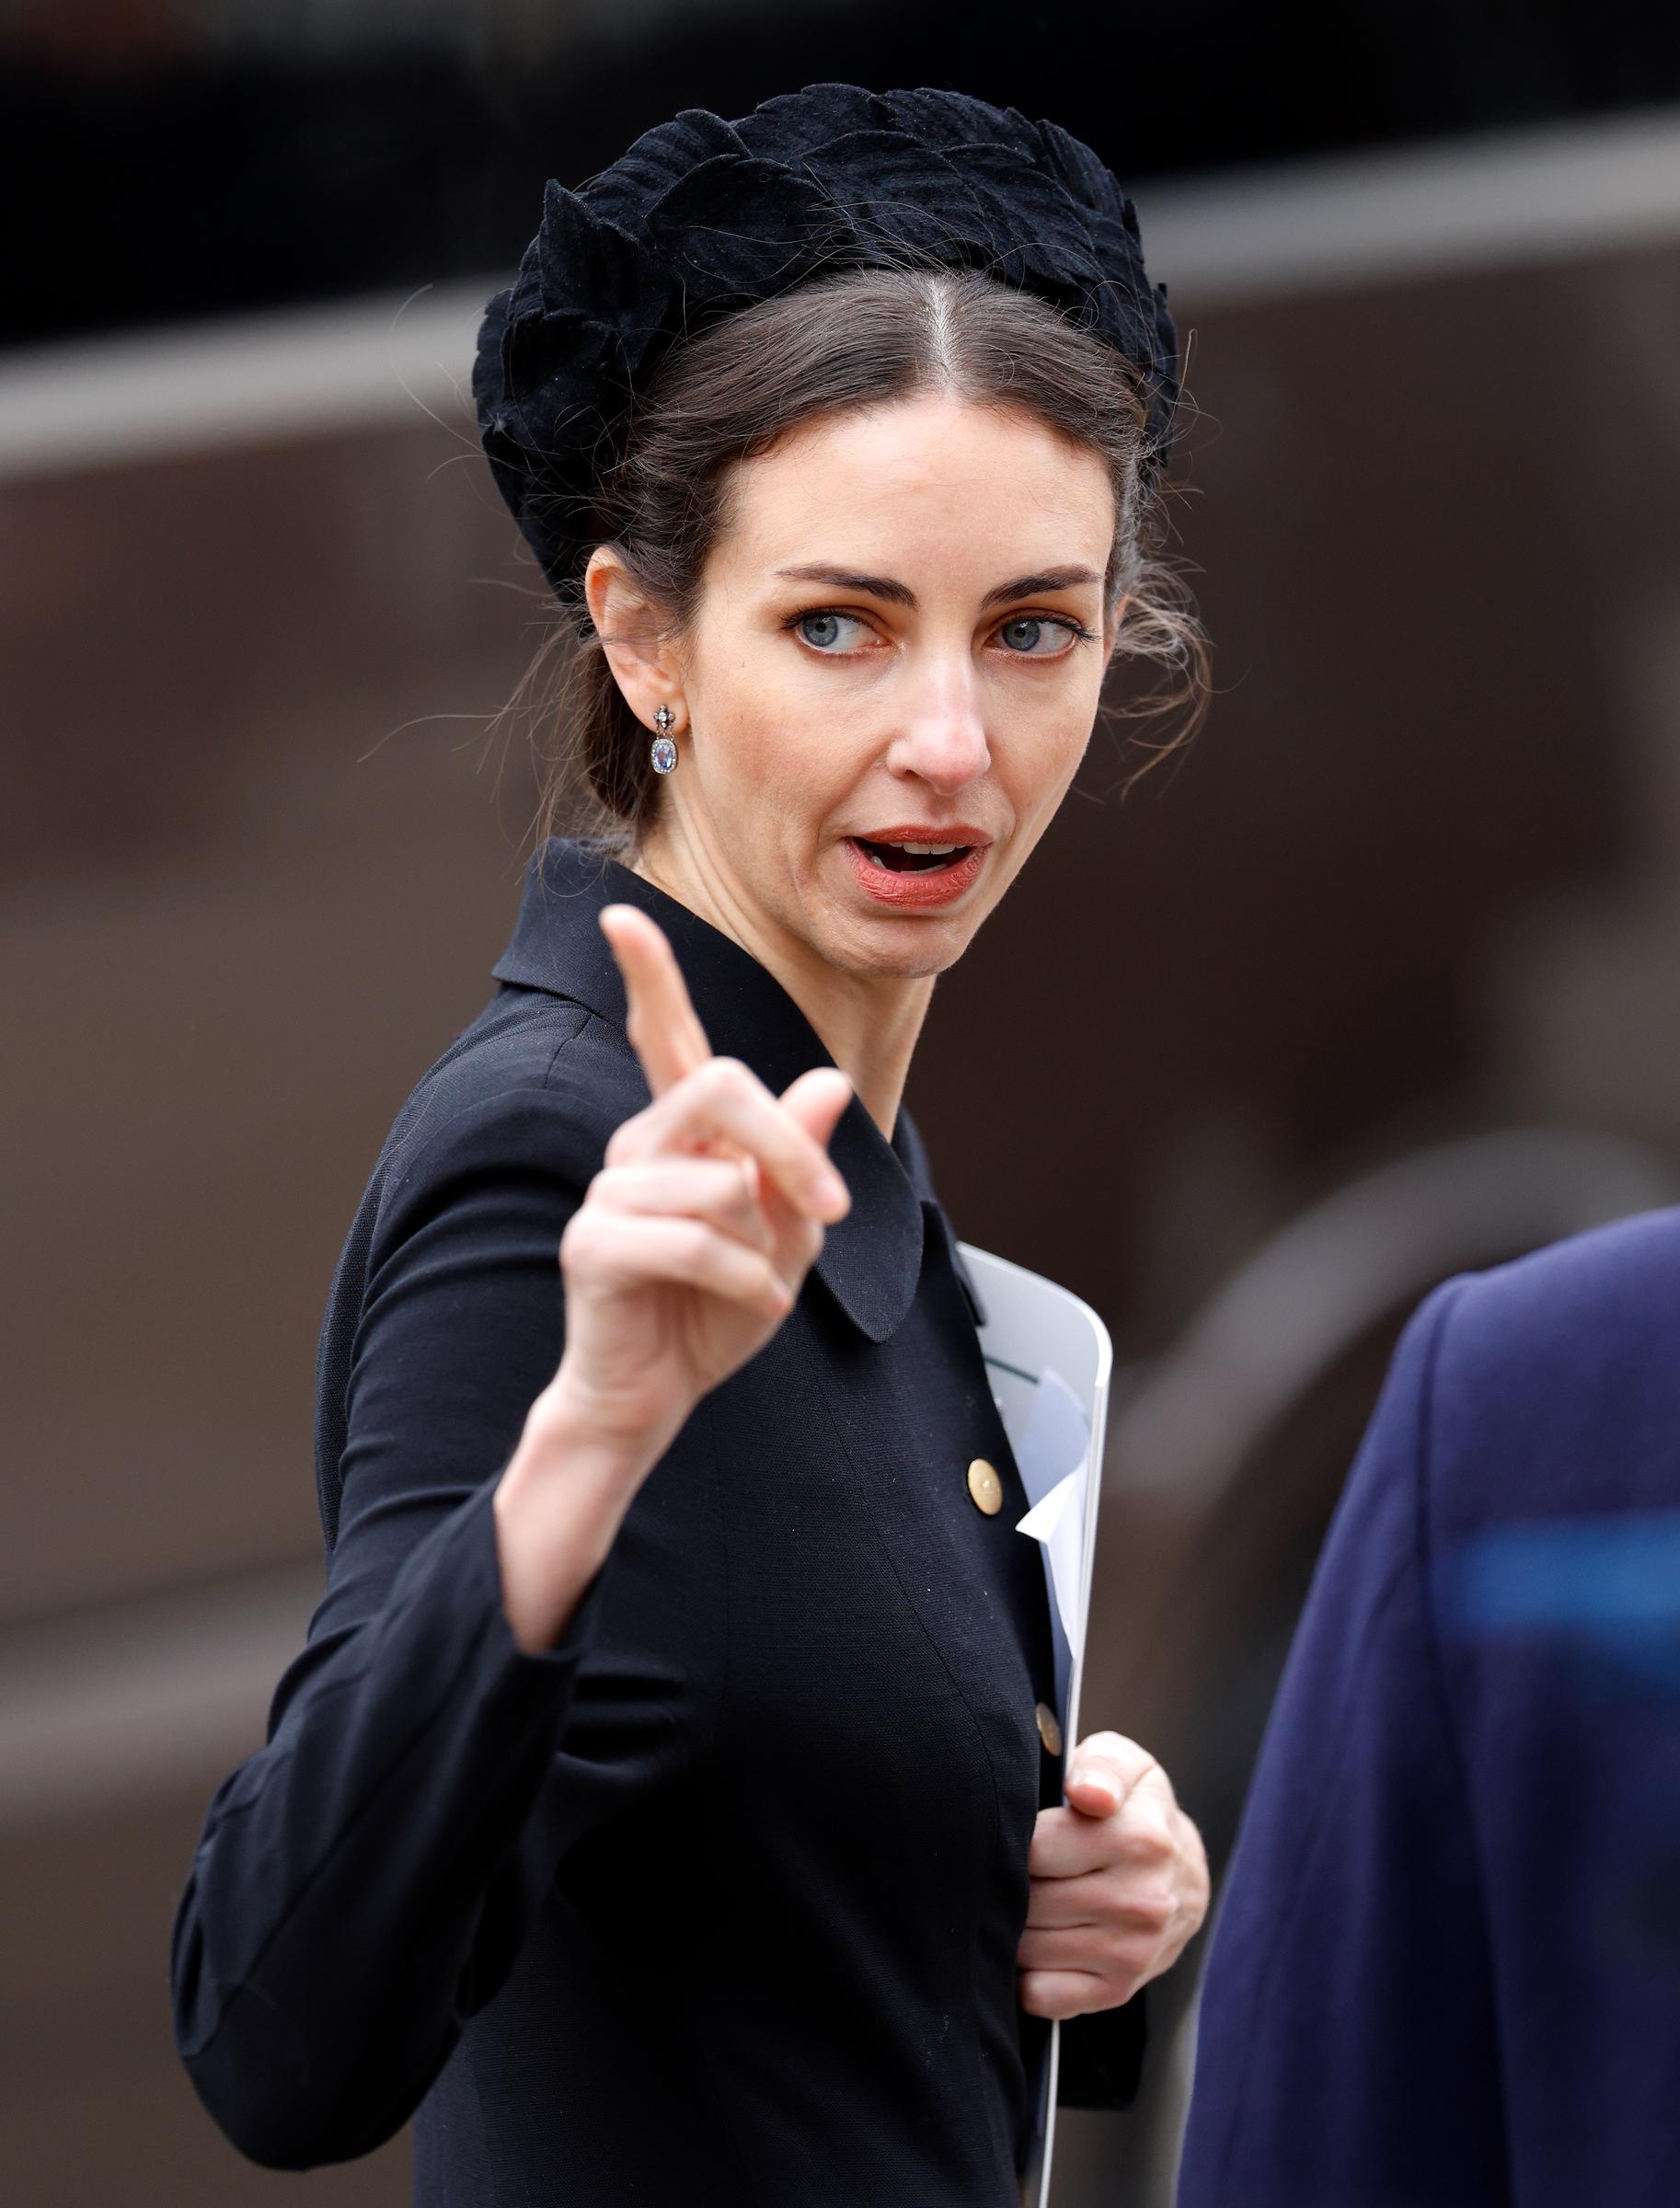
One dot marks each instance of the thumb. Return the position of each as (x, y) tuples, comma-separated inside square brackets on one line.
[(1102, 1771), (1095, 1790), (817, 1099)]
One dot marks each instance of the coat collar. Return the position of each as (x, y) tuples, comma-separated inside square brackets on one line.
[(872, 1259)]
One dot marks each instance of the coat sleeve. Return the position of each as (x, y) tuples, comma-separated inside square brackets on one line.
[(1346, 2049), (362, 1882)]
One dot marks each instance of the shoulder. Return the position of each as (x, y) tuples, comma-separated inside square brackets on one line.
[(535, 1083), (1548, 1378), (1605, 1276), (1599, 1304)]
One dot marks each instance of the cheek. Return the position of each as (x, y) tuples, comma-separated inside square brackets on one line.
[(798, 740), (773, 754), (1049, 758), (745, 717)]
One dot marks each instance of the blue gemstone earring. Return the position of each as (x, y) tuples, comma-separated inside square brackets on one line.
[(664, 750)]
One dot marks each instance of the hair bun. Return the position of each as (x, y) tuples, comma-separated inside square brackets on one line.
[(702, 216)]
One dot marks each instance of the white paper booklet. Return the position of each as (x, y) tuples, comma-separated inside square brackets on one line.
[(1049, 1358)]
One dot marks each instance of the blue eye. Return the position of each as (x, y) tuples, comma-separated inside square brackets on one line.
[(1036, 627), (835, 634), (829, 623)]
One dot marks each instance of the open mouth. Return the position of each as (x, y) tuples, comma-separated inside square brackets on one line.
[(913, 858)]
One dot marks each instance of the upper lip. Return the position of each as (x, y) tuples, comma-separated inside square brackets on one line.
[(951, 832)]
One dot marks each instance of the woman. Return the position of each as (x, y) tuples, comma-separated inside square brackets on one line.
[(667, 1806)]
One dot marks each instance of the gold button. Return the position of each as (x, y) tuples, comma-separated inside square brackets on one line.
[(985, 1486), (1050, 1732)]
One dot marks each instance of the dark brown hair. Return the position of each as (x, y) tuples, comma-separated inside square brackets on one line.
[(860, 337)]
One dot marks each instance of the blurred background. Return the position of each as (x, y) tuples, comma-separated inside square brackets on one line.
[(1377, 983)]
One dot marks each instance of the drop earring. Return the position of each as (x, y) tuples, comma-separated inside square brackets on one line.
[(664, 750)]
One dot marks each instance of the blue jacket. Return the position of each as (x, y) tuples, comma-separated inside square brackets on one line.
[(718, 1900), (1445, 1970)]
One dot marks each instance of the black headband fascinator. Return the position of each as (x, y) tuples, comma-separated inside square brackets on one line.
[(703, 216)]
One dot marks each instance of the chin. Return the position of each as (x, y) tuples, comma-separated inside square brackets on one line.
[(907, 950)]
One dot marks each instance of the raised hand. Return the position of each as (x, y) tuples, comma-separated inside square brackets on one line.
[(688, 1252), (695, 1237)]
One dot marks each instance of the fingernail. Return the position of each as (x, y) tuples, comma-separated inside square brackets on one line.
[(833, 1190)]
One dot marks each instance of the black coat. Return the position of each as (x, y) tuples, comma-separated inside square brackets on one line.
[(717, 1900)]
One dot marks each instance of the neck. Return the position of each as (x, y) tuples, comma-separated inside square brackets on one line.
[(867, 1023)]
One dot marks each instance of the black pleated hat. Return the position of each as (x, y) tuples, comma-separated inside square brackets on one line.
[(700, 217)]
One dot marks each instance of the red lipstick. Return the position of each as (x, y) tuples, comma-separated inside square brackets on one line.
[(918, 887)]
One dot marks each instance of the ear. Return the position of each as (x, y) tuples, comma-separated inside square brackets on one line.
[(627, 622)]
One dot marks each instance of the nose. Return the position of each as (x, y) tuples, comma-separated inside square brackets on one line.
[(942, 738)]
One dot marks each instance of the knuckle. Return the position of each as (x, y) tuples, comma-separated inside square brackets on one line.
[(1127, 1955), (1151, 1911), (1150, 1843), (725, 1076)]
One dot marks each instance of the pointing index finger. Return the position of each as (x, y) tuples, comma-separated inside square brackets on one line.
[(661, 1023)]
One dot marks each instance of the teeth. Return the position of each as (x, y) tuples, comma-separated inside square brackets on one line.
[(925, 850)]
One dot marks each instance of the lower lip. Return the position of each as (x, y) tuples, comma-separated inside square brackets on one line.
[(914, 891)]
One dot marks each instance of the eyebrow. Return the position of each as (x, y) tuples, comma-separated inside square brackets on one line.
[(900, 593)]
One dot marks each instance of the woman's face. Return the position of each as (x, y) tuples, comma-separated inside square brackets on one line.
[(900, 638)]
